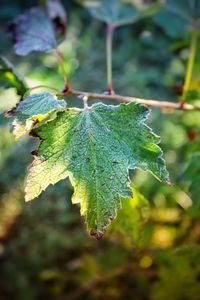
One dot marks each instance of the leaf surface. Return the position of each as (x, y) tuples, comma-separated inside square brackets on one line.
[(182, 14), (115, 12), (33, 31), (187, 9), (96, 148), (176, 28), (34, 109)]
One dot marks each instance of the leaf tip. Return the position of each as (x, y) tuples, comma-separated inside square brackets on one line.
[(28, 198), (97, 235)]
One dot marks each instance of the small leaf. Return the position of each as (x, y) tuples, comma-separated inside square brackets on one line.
[(33, 31), (192, 178), (95, 148), (9, 77), (114, 12), (34, 109)]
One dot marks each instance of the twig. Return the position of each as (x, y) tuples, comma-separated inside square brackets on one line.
[(149, 102)]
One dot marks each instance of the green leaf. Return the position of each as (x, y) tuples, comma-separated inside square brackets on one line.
[(182, 14), (95, 148), (192, 177), (114, 12), (9, 77), (33, 31), (187, 9), (176, 28), (33, 109)]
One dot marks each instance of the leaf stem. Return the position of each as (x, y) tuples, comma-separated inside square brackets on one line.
[(64, 72), (42, 86), (191, 60), (109, 44)]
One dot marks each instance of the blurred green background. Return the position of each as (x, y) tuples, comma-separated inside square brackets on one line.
[(152, 250)]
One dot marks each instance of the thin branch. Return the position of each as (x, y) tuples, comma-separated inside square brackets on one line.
[(149, 102), (42, 87), (62, 65)]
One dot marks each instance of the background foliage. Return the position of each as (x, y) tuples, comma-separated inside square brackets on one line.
[(151, 251)]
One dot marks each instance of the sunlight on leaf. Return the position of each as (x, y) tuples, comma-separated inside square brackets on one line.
[(96, 153)]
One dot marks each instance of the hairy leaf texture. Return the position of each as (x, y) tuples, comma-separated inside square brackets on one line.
[(96, 148), (182, 15), (188, 9), (33, 31)]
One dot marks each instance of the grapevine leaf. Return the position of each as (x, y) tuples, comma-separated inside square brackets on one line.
[(187, 9), (34, 109), (33, 31), (95, 148), (192, 177), (114, 12), (9, 77)]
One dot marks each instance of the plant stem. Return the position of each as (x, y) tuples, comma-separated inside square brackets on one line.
[(191, 60), (109, 44), (41, 87), (168, 106), (64, 72)]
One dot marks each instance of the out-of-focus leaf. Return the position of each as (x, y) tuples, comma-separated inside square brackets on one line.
[(192, 177), (57, 14), (115, 12), (187, 9), (177, 16), (33, 31), (32, 110), (9, 77), (95, 148)]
